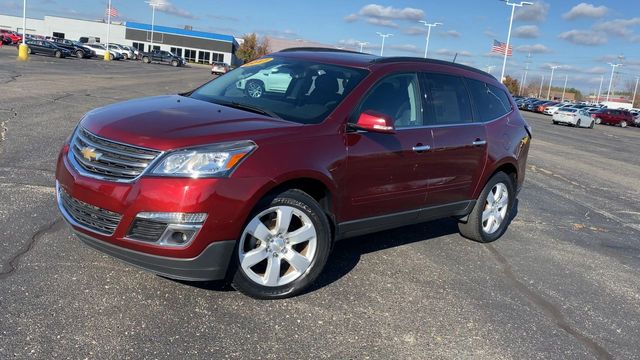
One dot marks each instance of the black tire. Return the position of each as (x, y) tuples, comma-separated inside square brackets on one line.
[(58, 54), (554, 122), (472, 228), (80, 54), (308, 206), (592, 124), (174, 63), (254, 88), (146, 60), (29, 51), (577, 123)]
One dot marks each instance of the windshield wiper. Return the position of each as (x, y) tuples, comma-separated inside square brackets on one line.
[(253, 109)]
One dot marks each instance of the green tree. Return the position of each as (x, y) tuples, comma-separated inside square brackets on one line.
[(253, 48), (512, 84)]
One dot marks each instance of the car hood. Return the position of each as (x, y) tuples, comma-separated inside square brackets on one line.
[(171, 122)]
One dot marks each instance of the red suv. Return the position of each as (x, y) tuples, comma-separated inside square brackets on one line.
[(613, 117), (226, 182), (10, 35)]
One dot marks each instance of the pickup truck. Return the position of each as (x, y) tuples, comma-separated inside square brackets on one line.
[(162, 56)]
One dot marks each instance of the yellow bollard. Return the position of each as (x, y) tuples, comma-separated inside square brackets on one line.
[(23, 52), (107, 56)]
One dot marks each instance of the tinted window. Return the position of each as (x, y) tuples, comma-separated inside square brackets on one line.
[(447, 99), (491, 102), (398, 97)]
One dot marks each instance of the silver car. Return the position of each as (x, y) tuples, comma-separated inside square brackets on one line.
[(573, 117)]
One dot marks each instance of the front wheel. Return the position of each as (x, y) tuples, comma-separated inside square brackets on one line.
[(58, 54), (578, 123), (490, 216), (146, 60), (79, 54), (623, 124), (598, 121), (254, 89), (174, 63), (283, 247), (592, 125)]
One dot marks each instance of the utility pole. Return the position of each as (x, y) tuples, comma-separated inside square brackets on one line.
[(553, 68), (541, 82), (383, 36), (613, 69), (524, 76), (600, 89), (362, 44), (635, 91), (566, 77), (506, 50), (426, 49)]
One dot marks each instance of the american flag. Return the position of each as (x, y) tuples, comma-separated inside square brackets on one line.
[(500, 47), (111, 11)]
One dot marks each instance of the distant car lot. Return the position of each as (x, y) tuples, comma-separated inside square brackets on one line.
[(562, 283)]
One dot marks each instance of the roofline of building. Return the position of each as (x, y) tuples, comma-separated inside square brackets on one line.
[(181, 32)]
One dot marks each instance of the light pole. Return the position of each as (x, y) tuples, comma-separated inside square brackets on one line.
[(541, 82), (107, 54), (154, 4), (429, 26), (613, 69), (384, 36), (600, 89), (23, 49), (635, 91), (566, 77), (553, 68), (362, 44), (506, 50), (524, 77)]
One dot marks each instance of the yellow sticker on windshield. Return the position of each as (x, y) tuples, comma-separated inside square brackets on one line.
[(257, 62)]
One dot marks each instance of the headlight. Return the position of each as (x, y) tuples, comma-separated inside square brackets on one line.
[(208, 161)]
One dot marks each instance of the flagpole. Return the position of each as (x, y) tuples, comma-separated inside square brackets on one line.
[(107, 54)]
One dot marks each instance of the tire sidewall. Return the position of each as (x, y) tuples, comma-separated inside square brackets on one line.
[(306, 204), (508, 182)]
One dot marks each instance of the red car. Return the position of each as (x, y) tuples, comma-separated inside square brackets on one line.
[(221, 184), (12, 36), (618, 117)]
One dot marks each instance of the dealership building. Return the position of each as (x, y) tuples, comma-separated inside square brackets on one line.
[(194, 46)]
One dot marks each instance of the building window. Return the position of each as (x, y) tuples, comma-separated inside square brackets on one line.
[(58, 35), (176, 51), (204, 57), (138, 46), (155, 47), (190, 55), (218, 57)]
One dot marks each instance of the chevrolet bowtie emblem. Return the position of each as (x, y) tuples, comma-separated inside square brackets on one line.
[(90, 153)]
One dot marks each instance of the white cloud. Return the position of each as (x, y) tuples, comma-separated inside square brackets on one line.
[(382, 22), (416, 30), (527, 32), (584, 37), (351, 18), (389, 12), (534, 49), (619, 27), (168, 8), (450, 33), (534, 13), (447, 52), (586, 10)]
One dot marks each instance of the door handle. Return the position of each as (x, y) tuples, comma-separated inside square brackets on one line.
[(421, 148), (479, 142)]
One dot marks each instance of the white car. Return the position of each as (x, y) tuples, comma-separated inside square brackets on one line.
[(552, 109), (101, 50), (126, 54), (573, 117), (272, 80)]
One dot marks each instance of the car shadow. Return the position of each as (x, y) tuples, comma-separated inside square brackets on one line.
[(346, 254)]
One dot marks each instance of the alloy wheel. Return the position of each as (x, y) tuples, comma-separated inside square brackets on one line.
[(495, 210), (278, 246), (254, 89)]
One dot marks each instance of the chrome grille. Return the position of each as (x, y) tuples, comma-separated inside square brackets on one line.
[(115, 161), (92, 217)]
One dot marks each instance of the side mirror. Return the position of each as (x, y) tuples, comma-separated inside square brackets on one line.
[(372, 121)]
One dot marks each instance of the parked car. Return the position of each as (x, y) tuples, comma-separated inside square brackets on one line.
[(533, 105), (162, 56), (552, 109), (618, 117), (10, 35), (574, 117), (134, 52), (46, 48), (542, 107), (636, 119), (126, 53), (213, 183), (101, 50), (75, 48), (89, 40), (219, 68), (274, 80)]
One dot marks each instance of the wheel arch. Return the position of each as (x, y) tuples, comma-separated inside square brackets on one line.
[(508, 166)]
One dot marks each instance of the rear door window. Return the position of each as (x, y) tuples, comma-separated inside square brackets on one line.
[(490, 101), (447, 100)]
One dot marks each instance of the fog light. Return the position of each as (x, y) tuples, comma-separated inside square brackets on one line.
[(167, 229)]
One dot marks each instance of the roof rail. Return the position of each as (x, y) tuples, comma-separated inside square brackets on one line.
[(320, 49), (384, 60)]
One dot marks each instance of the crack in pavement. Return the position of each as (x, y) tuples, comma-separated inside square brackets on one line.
[(547, 308), (12, 78), (12, 263)]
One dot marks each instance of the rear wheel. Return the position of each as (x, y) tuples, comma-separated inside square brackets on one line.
[(598, 121), (578, 123), (490, 216), (623, 124), (592, 125), (146, 60), (28, 50), (554, 122), (283, 247), (58, 54), (79, 54)]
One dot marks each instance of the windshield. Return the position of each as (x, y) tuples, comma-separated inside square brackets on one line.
[(299, 91)]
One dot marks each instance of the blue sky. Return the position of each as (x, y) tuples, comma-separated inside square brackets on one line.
[(581, 36)]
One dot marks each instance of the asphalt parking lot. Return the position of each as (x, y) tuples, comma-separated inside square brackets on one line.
[(563, 282)]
